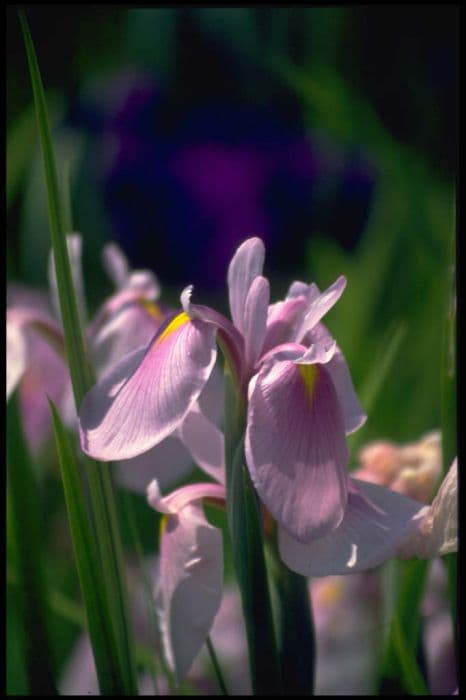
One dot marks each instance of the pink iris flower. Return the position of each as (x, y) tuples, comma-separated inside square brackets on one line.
[(300, 406), (300, 398)]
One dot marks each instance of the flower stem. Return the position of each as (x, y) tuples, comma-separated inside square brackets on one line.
[(245, 525)]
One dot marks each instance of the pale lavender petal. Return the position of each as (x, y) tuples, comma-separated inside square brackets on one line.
[(189, 587), (255, 319), (174, 502), (245, 266), (144, 283), (16, 355), (354, 415), (321, 352), (376, 520), (146, 396), (35, 362), (212, 399), (231, 338), (74, 245), (115, 264), (301, 289), (436, 530), (281, 321), (319, 307), (168, 462), (296, 447), (205, 443), (125, 330)]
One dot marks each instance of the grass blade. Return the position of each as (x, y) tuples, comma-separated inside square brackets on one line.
[(400, 672), (99, 624), (25, 532), (101, 489)]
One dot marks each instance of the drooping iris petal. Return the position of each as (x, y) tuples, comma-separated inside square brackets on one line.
[(376, 520), (255, 319), (189, 587), (245, 266), (147, 395), (205, 443), (296, 448)]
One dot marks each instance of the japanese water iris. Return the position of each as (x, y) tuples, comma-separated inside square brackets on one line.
[(289, 371)]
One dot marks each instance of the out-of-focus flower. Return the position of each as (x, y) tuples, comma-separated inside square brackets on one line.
[(128, 319), (412, 469), (346, 612)]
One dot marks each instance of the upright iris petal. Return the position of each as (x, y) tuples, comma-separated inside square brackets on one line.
[(296, 448), (147, 394), (245, 266)]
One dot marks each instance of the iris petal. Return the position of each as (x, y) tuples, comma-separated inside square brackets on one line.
[(147, 394), (189, 589), (245, 266), (375, 522), (296, 448)]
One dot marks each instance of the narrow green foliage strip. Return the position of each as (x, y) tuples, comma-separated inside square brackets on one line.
[(28, 550), (80, 371), (112, 565), (110, 557), (399, 666), (99, 624)]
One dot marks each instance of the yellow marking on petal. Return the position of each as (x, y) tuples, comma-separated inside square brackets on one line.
[(178, 321), (309, 375), (163, 525), (152, 309)]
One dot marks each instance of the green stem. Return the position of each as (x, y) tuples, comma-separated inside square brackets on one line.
[(295, 626)]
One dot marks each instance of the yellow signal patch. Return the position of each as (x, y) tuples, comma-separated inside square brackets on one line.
[(178, 321), (309, 375)]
